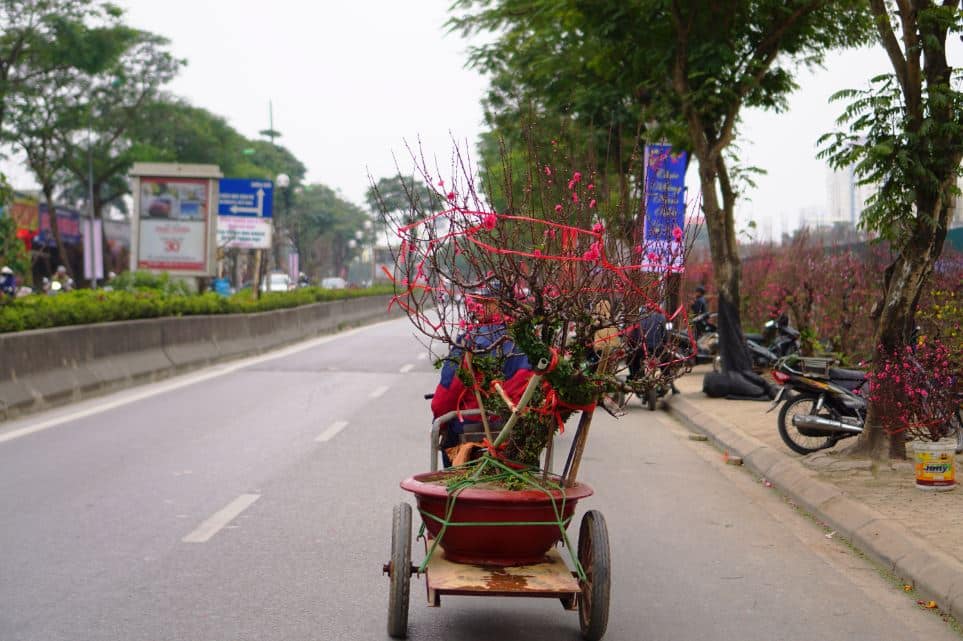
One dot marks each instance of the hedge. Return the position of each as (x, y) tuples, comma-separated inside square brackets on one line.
[(85, 306)]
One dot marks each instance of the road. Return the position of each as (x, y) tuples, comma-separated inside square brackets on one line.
[(253, 502)]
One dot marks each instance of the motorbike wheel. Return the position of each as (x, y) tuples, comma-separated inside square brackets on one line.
[(790, 434)]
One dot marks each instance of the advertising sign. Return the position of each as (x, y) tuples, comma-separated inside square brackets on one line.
[(243, 232), (68, 224), (24, 212), (173, 222), (662, 242)]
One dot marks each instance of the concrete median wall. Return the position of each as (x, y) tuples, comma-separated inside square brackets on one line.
[(43, 368)]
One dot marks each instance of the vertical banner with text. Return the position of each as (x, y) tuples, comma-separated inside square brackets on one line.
[(662, 237)]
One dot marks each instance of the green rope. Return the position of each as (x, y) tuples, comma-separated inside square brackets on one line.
[(502, 473)]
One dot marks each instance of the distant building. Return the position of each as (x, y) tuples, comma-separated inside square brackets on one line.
[(846, 198)]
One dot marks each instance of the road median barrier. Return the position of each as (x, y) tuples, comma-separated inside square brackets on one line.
[(48, 367)]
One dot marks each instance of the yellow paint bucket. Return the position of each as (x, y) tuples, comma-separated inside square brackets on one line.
[(935, 465)]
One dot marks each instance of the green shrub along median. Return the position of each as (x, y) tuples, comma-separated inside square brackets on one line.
[(99, 306)]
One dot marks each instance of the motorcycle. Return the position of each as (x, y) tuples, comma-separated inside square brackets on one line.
[(706, 337), (828, 404), (779, 339)]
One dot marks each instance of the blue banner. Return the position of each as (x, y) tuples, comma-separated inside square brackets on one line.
[(664, 207)]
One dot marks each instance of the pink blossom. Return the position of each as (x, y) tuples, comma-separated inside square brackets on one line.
[(574, 197), (653, 257), (571, 185), (548, 170), (590, 186), (592, 204), (537, 253), (558, 209), (441, 183), (598, 228), (577, 176), (550, 233), (451, 195), (489, 221), (677, 234), (638, 249)]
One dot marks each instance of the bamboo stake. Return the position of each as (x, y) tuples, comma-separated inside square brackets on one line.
[(578, 448), (478, 399)]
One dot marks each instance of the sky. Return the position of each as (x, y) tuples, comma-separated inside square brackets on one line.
[(351, 82)]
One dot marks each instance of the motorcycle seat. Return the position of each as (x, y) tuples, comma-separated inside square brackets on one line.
[(846, 374)]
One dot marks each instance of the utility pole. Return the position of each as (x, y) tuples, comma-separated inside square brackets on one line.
[(270, 133)]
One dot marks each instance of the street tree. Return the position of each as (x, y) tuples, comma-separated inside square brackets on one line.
[(106, 109), (905, 135), (684, 68), (322, 225), (35, 122), (40, 37)]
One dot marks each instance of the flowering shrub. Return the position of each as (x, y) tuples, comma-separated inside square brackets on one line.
[(549, 276), (915, 391)]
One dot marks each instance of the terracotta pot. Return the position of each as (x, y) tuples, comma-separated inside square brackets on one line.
[(499, 545)]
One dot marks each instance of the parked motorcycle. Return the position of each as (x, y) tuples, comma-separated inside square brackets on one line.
[(824, 404), (706, 337), (779, 339)]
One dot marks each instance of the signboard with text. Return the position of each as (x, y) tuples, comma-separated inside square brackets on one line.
[(173, 225), (244, 210), (662, 237)]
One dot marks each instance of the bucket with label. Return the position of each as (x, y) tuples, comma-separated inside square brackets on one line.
[(935, 465)]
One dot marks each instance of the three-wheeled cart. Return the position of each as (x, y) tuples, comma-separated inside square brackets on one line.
[(493, 549)]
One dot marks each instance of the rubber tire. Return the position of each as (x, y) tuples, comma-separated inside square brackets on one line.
[(785, 426), (593, 554), (400, 572)]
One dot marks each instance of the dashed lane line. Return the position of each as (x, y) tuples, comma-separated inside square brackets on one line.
[(331, 432), (220, 519), (378, 391)]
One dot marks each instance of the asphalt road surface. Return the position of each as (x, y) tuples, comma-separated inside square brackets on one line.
[(252, 502)]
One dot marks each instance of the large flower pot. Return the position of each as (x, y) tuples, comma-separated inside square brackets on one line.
[(499, 545)]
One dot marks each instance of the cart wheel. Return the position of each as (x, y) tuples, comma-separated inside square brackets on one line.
[(399, 572), (593, 554), (651, 398)]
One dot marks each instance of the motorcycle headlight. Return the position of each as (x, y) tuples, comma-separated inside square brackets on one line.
[(668, 326)]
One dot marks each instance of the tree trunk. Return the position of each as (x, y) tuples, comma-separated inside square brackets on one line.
[(895, 328), (737, 378)]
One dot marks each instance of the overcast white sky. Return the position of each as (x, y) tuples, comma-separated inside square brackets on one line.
[(350, 81)]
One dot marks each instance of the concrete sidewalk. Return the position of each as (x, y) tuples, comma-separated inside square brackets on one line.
[(916, 535)]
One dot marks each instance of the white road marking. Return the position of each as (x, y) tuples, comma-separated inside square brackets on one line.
[(331, 432), (406, 368), (127, 397), (378, 391), (220, 519)]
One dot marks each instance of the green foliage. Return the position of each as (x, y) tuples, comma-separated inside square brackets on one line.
[(12, 251), (904, 153), (97, 306), (150, 281), (104, 112)]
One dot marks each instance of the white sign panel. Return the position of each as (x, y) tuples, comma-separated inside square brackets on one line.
[(243, 232)]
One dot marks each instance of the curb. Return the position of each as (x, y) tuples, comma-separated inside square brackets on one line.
[(934, 574)]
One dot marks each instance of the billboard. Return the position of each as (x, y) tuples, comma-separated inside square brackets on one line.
[(173, 222)]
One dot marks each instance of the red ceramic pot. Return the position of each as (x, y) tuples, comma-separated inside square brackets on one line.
[(500, 545)]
